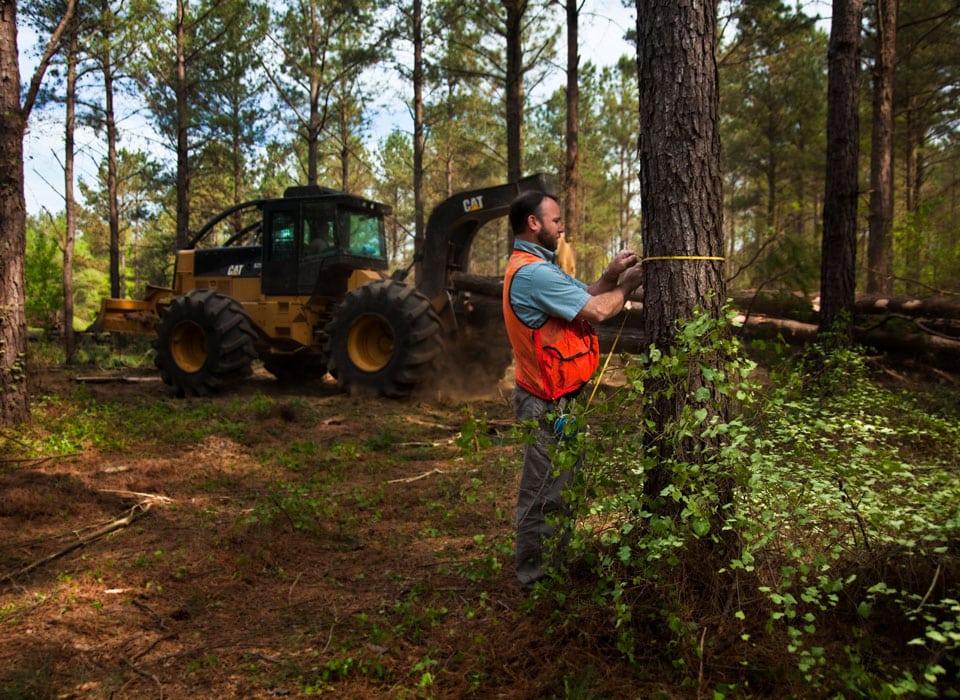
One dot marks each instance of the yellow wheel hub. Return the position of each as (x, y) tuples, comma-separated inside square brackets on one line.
[(370, 343), (188, 346)]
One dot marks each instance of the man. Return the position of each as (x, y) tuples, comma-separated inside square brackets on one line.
[(548, 315)]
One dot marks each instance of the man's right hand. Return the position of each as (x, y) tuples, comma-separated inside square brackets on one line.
[(603, 305), (632, 278)]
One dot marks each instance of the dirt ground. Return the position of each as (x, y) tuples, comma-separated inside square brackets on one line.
[(275, 541)]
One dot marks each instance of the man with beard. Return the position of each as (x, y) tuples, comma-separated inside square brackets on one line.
[(548, 315)]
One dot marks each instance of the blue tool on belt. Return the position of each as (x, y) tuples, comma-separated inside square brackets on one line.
[(565, 427)]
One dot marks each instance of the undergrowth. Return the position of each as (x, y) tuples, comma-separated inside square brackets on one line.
[(809, 534)]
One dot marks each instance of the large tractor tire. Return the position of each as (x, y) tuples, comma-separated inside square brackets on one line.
[(204, 342), (383, 339)]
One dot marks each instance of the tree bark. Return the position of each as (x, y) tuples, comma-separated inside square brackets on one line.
[(14, 404), (182, 127), (571, 173), (680, 191), (516, 9), (117, 286), (14, 397), (680, 182), (838, 251), (419, 234), (880, 241), (70, 204), (317, 114)]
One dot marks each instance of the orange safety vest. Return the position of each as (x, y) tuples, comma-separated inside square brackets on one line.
[(557, 358)]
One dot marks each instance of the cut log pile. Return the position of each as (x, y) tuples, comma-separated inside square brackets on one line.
[(927, 328)]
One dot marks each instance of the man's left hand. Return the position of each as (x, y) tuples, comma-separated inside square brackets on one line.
[(621, 262)]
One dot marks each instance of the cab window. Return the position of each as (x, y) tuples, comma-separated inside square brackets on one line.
[(319, 231), (283, 240), (366, 234)]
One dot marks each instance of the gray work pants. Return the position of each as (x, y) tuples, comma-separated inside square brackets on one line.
[(540, 500)]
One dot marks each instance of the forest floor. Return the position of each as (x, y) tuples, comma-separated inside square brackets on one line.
[(273, 541), (282, 541)]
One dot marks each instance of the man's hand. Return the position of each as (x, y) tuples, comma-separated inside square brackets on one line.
[(622, 261), (632, 277), (608, 294)]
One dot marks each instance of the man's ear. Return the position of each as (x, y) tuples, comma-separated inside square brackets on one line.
[(533, 223)]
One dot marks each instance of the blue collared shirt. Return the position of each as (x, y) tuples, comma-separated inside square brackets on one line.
[(542, 290)]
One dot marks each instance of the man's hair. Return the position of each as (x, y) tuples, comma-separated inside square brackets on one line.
[(525, 204)]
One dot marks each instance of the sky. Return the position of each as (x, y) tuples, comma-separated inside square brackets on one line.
[(603, 25)]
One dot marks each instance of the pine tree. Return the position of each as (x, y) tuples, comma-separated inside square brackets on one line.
[(838, 253), (14, 399), (681, 194)]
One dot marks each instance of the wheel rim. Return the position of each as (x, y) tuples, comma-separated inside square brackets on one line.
[(188, 346), (370, 343)]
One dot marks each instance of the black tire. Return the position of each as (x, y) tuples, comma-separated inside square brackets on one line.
[(383, 340), (204, 342), (295, 368)]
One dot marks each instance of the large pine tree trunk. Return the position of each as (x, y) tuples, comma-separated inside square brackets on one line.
[(837, 281), (14, 403), (680, 182), (880, 241), (14, 398)]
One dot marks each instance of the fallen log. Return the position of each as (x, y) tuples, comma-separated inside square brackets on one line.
[(927, 307), (762, 327), (482, 284), (800, 308), (938, 349), (775, 304)]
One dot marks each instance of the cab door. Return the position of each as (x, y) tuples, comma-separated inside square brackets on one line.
[(320, 250), (281, 248)]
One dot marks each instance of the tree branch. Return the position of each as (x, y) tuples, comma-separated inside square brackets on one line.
[(52, 46), (134, 513)]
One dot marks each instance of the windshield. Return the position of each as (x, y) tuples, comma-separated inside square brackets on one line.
[(366, 234)]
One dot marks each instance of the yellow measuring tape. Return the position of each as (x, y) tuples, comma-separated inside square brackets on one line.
[(683, 257)]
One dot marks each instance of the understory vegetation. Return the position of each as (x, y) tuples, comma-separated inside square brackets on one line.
[(310, 543), (841, 542)]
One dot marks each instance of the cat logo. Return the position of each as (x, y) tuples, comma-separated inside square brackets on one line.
[(473, 203), (234, 270)]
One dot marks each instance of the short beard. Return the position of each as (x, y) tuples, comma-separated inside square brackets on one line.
[(550, 245)]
